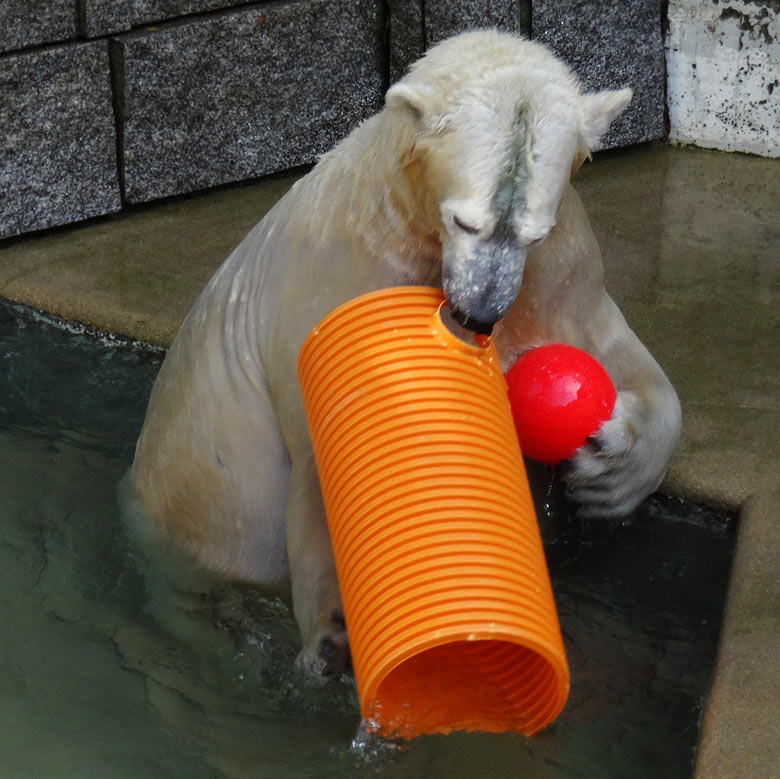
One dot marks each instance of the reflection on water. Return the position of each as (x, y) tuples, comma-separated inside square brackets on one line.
[(111, 666)]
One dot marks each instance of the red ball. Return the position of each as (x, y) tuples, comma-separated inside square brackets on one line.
[(559, 395)]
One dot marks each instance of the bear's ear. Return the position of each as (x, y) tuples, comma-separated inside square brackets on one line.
[(411, 100), (599, 109)]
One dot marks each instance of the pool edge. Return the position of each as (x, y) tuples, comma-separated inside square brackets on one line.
[(736, 738)]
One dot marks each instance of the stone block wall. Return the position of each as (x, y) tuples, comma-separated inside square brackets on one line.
[(611, 44), (25, 23), (108, 103), (58, 159), (239, 95)]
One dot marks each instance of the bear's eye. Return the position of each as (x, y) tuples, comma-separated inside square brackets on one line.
[(465, 227)]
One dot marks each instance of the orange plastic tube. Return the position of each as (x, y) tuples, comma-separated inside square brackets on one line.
[(446, 594)]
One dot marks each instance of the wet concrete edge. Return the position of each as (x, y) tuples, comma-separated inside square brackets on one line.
[(739, 729)]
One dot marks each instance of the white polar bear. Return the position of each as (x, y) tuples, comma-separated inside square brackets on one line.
[(461, 181)]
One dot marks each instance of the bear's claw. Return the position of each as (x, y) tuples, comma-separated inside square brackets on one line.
[(328, 656)]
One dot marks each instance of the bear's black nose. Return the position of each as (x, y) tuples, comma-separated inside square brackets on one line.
[(475, 325)]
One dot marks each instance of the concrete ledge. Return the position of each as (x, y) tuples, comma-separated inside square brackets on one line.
[(689, 239), (136, 274), (739, 728)]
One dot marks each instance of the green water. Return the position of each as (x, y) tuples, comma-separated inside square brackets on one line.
[(107, 669)]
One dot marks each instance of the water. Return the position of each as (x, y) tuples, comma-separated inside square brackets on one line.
[(111, 667)]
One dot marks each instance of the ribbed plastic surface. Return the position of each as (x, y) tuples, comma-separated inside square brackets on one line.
[(446, 594)]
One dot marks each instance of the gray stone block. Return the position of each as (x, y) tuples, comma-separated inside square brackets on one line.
[(444, 18), (101, 17), (611, 44), (57, 138), (32, 22), (407, 35), (243, 94)]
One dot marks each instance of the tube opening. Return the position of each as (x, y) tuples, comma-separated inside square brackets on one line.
[(485, 685), (453, 334)]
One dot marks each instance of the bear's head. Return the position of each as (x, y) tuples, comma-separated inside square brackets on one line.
[(495, 125)]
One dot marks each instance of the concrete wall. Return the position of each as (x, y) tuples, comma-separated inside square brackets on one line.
[(724, 74), (109, 103)]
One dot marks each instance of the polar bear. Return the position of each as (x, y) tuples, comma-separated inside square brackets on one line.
[(461, 182)]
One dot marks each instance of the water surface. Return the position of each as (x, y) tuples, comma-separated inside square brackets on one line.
[(110, 668)]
